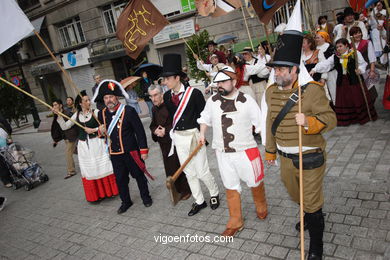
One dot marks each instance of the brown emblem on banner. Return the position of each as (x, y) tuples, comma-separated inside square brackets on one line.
[(139, 22), (265, 9)]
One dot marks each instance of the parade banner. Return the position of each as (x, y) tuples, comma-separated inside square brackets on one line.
[(216, 8), (265, 9), (139, 22), (14, 24)]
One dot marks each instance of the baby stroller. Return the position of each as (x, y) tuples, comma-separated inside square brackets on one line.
[(23, 169)]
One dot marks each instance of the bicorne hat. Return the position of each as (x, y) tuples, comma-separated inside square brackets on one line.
[(226, 73), (109, 87), (171, 65)]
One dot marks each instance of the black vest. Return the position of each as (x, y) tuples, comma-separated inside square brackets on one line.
[(351, 74)]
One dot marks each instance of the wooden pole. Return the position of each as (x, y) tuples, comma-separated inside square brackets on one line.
[(70, 81), (184, 40), (41, 101), (360, 78), (247, 28), (301, 213)]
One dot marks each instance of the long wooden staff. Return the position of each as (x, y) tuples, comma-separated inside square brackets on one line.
[(68, 78), (41, 101), (302, 230), (360, 79), (247, 28)]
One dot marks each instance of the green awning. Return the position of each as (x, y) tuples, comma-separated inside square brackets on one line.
[(256, 41)]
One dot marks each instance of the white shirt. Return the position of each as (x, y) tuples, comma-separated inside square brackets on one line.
[(247, 115), (258, 69), (328, 64), (370, 50), (82, 119)]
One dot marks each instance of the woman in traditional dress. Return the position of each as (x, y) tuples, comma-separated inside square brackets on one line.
[(95, 164), (325, 46), (352, 104), (366, 48), (311, 56)]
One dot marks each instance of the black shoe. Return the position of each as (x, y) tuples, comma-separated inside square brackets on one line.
[(3, 200), (196, 208), (298, 226), (214, 202), (123, 208), (313, 256), (148, 203)]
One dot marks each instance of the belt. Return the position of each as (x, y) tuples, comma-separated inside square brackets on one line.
[(293, 155)]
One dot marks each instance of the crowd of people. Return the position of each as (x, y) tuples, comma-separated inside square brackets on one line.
[(252, 92)]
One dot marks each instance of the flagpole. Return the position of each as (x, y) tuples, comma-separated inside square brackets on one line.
[(70, 81), (247, 28), (40, 101), (302, 230)]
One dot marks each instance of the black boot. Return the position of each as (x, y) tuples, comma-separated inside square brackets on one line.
[(316, 225)]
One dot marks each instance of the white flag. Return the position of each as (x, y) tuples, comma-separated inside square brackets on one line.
[(14, 24)]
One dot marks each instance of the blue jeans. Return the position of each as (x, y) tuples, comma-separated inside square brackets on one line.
[(150, 106)]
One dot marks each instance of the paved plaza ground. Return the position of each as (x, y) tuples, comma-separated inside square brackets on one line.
[(54, 221)]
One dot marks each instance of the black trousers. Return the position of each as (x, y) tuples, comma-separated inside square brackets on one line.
[(124, 165)]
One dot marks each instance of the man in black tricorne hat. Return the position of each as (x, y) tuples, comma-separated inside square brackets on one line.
[(212, 48), (282, 136), (127, 142), (185, 105)]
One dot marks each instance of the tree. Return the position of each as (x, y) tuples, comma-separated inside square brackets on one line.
[(198, 43), (13, 103)]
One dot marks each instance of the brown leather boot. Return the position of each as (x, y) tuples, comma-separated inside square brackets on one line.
[(260, 201), (235, 222)]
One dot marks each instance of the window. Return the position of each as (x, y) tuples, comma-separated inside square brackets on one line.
[(282, 15), (71, 33), (110, 15)]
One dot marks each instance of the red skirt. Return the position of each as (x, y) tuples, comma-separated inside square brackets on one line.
[(386, 94), (350, 104), (100, 188)]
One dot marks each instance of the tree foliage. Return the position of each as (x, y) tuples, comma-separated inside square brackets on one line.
[(198, 43), (13, 103)]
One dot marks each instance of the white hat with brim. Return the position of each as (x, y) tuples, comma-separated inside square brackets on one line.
[(226, 73)]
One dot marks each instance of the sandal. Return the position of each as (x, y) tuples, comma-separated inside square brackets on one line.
[(69, 175)]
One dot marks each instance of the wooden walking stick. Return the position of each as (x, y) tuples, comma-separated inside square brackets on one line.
[(360, 78), (41, 101), (175, 196), (301, 213)]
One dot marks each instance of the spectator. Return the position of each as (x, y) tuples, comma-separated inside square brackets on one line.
[(69, 108), (98, 79), (324, 25), (145, 83), (133, 96), (69, 136)]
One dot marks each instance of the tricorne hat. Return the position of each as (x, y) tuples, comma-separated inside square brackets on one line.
[(289, 43), (109, 87), (171, 65)]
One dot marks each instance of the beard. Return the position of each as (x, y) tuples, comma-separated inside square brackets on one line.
[(224, 92), (283, 82)]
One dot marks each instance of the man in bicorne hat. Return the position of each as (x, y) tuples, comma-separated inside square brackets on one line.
[(185, 105), (282, 137), (126, 141), (232, 114)]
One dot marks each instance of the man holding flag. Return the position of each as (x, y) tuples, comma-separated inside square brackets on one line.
[(283, 117)]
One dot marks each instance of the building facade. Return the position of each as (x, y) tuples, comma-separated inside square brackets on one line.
[(81, 34)]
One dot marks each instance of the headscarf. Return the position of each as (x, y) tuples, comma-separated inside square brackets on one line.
[(324, 35)]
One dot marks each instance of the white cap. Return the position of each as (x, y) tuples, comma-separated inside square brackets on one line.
[(226, 73), (295, 20)]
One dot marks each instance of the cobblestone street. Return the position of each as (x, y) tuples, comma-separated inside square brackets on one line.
[(54, 221)]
